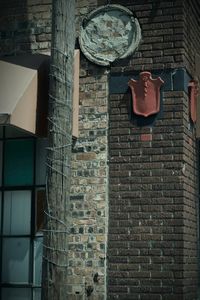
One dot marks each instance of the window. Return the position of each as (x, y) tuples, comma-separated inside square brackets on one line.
[(18, 153), (22, 194)]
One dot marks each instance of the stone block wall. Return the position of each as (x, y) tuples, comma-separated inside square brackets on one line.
[(89, 188), (89, 197)]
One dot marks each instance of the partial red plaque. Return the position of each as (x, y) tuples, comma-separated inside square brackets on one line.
[(146, 94), (193, 93)]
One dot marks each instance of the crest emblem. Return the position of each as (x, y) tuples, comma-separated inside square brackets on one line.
[(193, 93), (146, 94)]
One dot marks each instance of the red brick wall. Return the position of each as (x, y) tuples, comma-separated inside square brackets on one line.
[(170, 36), (153, 195), (153, 211)]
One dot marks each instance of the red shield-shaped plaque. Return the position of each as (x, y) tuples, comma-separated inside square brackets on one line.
[(193, 93), (146, 94)]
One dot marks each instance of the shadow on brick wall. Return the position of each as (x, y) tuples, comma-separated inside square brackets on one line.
[(155, 7), (15, 28)]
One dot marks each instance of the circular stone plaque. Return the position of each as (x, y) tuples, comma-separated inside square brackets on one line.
[(109, 33)]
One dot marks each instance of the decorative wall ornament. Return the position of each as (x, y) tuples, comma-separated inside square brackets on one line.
[(109, 33), (146, 94), (193, 93)]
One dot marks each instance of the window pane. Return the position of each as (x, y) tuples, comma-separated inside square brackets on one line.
[(38, 260), (12, 132), (16, 294), (37, 294), (40, 200), (41, 161), (1, 131), (1, 161), (0, 209), (19, 162), (15, 260), (17, 212)]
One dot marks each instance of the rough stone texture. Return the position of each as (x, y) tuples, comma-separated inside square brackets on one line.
[(109, 34), (169, 35), (87, 255)]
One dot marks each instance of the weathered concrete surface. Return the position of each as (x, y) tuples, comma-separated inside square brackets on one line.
[(109, 33)]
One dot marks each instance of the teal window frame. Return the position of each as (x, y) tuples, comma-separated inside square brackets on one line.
[(24, 182)]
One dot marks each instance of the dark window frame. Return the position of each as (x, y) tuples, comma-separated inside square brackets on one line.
[(33, 234)]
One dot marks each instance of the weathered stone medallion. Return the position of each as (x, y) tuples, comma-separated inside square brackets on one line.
[(109, 33)]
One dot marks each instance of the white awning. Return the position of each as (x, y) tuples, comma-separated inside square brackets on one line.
[(24, 92)]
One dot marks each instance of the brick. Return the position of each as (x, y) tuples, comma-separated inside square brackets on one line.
[(86, 156), (152, 169), (146, 137)]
